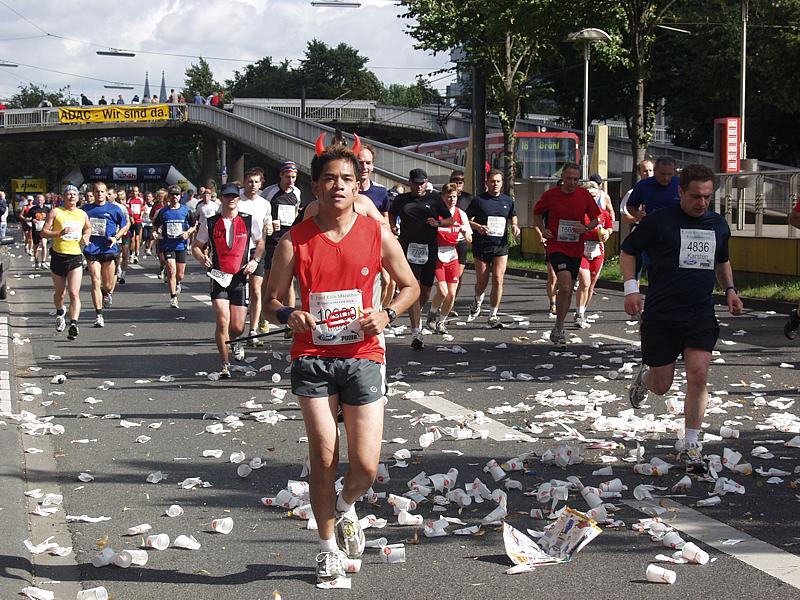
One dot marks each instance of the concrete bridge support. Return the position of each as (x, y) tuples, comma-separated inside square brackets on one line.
[(208, 174)]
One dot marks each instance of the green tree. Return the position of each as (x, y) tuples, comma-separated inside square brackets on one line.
[(31, 95), (199, 80), (411, 96), (332, 72), (505, 38), (263, 79)]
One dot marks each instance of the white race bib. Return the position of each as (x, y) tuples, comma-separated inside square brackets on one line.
[(72, 231), (698, 248), (98, 226), (447, 254), (222, 278), (417, 254), (286, 214), (566, 231), (136, 209), (496, 226), (592, 249), (337, 315), (174, 229), (38, 225)]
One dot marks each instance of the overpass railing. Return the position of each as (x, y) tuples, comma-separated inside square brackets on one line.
[(16, 118), (392, 163)]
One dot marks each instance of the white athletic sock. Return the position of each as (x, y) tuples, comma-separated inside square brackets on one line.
[(691, 436), (494, 311), (328, 545), (416, 330), (479, 299), (343, 507), (580, 310)]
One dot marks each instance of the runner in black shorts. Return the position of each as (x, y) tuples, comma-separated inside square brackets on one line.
[(421, 213), (688, 249), (490, 214)]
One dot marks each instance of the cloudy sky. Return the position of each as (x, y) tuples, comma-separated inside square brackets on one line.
[(55, 42)]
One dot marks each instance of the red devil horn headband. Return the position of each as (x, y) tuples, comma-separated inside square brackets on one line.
[(320, 145)]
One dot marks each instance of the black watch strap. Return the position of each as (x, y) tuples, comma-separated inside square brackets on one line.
[(392, 314)]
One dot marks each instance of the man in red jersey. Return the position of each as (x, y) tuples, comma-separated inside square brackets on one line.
[(136, 208), (566, 207), (228, 236), (338, 349)]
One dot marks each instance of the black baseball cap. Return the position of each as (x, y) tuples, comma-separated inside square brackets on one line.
[(418, 176), (597, 178), (230, 189)]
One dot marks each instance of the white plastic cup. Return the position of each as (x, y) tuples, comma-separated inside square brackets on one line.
[(382, 475), (139, 529), (174, 511), (599, 513), (643, 469), (438, 480), (401, 502), (244, 470), (592, 499), (351, 565), (236, 457), (728, 432), (394, 553), (673, 540), (157, 541), (123, 560), (406, 518), (614, 485), (131, 557), (223, 526), (694, 554), (98, 593), (656, 574), (460, 497), (104, 558)]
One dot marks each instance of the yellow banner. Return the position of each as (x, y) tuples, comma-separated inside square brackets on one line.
[(112, 114)]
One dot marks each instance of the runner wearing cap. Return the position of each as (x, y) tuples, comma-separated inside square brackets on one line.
[(567, 207), (338, 353), (256, 206), (490, 214), (228, 237), (688, 249), (67, 226), (421, 214), (173, 226), (109, 225), (284, 202)]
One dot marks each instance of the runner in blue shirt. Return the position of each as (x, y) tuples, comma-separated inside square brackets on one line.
[(109, 224), (173, 226)]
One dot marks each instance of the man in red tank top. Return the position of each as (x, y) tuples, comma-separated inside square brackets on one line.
[(227, 237), (338, 349)]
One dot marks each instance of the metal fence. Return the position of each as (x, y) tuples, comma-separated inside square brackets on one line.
[(759, 200)]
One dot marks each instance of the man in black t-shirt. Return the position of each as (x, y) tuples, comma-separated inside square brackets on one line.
[(490, 214), (688, 249), (421, 213)]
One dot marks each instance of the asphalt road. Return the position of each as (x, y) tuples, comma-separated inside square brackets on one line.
[(145, 341)]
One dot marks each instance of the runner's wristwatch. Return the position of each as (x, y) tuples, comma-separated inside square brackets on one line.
[(392, 314)]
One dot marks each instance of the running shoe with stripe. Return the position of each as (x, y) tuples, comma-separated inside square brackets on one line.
[(61, 323), (330, 566), (349, 534), (238, 351), (637, 392), (72, 332)]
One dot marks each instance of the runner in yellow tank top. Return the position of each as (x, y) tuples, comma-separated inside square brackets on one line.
[(67, 227)]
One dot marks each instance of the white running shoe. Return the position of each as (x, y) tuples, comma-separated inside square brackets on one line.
[(330, 566), (349, 535), (99, 321), (238, 351), (61, 323)]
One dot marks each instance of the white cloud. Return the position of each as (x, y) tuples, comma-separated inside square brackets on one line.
[(237, 29)]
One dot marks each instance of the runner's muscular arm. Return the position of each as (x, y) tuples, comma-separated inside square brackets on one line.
[(724, 275), (199, 253), (394, 261), (87, 229), (280, 278), (544, 232), (633, 302), (47, 230)]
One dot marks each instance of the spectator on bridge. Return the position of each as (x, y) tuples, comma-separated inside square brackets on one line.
[(181, 99), (85, 101), (173, 97), (135, 99), (154, 99), (102, 101), (120, 100), (213, 100), (45, 103), (198, 99)]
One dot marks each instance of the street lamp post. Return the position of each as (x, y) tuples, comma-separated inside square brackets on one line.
[(587, 37)]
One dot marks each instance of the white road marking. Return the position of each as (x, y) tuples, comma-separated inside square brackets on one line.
[(135, 266), (751, 551), (497, 431), (5, 394), (615, 338), (205, 299)]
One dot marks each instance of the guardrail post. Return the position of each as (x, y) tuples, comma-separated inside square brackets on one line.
[(727, 206), (741, 208), (759, 205), (792, 202)]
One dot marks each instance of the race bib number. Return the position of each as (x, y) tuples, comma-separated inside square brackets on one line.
[(698, 247), (174, 229), (38, 225), (566, 231), (447, 254), (136, 209), (417, 254), (98, 226), (224, 279), (592, 249), (496, 226), (337, 315), (72, 231), (286, 214)]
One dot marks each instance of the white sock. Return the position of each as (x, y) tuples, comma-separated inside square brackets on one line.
[(343, 507), (494, 311), (581, 310), (416, 330), (328, 545), (479, 299), (691, 437)]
